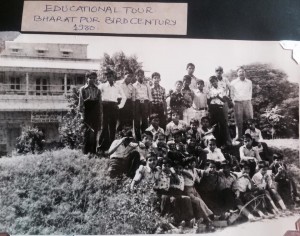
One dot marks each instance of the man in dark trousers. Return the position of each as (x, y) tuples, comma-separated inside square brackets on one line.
[(110, 92), (90, 108)]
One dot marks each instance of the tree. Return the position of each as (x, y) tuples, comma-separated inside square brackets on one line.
[(31, 140), (120, 64), (270, 89)]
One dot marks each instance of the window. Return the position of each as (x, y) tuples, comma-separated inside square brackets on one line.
[(15, 83), (80, 80), (41, 52), (66, 52), (2, 77), (41, 86), (69, 83), (15, 50)]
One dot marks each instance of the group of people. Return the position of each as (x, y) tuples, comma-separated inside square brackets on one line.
[(181, 145)]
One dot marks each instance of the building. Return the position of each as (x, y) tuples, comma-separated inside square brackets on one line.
[(34, 81)]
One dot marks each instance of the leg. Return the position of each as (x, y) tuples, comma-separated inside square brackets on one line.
[(112, 122), (238, 114), (144, 115), (137, 120), (104, 136)]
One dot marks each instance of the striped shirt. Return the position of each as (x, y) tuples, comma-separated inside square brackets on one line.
[(158, 95)]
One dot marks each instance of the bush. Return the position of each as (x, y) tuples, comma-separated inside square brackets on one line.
[(63, 192), (31, 140)]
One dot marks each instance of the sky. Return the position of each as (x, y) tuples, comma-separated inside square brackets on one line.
[(170, 56)]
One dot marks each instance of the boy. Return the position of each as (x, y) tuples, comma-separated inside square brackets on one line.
[(90, 109), (193, 131), (262, 147), (110, 95), (158, 104), (177, 103), (214, 154), (125, 113), (175, 124), (206, 131), (145, 146), (249, 154), (190, 68), (154, 127), (217, 98), (142, 98), (200, 101), (188, 96)]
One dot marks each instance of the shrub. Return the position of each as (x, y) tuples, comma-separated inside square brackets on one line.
[(64, 192), (31, 140)]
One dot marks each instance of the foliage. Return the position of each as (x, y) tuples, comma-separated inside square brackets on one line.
[(30, 140), (270, 89), (273, 118), (63, 192), (120, 64), (71, 128)]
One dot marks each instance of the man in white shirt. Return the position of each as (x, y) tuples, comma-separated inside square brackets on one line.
[(142, 99), (110, 95), (241, 95)]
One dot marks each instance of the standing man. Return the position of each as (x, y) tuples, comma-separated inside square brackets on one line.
[(90, 109), (110, 95), (241, 95), (224, 84), (159, 105), (190, 68), (126, 113), (142, 99)]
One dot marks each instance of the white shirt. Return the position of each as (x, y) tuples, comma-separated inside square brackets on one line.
[(216, 155), (256, 134), (224, 84), (112, 93), (259, 180), (172, 126), (213, 92), (241, 90), (154, 131), (200, 99)]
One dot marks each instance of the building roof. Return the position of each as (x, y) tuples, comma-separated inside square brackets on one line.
[(47, 63), (32, 103)]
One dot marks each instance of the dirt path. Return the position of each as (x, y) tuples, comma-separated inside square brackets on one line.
[(272, 227)]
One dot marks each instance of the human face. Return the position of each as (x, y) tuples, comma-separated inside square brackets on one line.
[(241, 73), (212, 145), (151, 162), (92, 79), (110, 79), (248, 142), (264, 170), (161, 139), (186, 83), (205, 123), (246, 170), (200, 86), (140, 76), (175, 117), (156, 80), (194, 126), (190, 70), (178, 87), (147, 141), (128, 79), (214, 83), (251, 125), (219, 72), (155, 122)]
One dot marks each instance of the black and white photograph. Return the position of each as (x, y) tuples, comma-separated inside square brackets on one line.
[(147, 135)]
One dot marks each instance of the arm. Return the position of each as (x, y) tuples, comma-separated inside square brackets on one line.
[(257, 156), (221, 156), (123, 97), (80, 103)]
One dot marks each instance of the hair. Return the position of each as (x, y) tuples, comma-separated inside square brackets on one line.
[(212, 140), (151, 155), (90, 73), (179, 82), (175, 112), (147, 133), (110, 72), (205, 118), (194, 121), (153, 116), (251, 121), (213, 78), (200, 81), (248, 136), (140, 70), (190, 64), (240, 68), (219, 68), (187, 78), (155, 74)]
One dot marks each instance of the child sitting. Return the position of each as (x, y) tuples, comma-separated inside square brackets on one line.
[(206, 131), (175, 124), (193, 131), (262, 147), (214, 154), (154, 127)]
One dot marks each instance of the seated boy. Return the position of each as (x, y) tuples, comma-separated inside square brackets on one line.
[(249, 154), (122, 153), (193, 131), (175, 124), (145, 146), (214, 154), (206, 131), (262, 147), (154, 127)]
